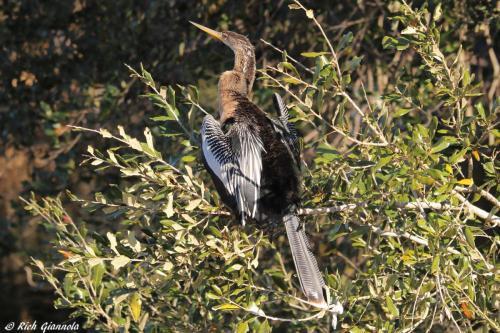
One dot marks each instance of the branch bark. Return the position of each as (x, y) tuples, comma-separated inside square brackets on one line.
[(409, 205), (488, 217), (348, 207), (485, 194)]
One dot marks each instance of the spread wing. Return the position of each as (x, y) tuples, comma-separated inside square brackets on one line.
[(235, 159)]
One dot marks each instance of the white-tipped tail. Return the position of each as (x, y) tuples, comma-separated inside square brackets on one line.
[(311, 281)]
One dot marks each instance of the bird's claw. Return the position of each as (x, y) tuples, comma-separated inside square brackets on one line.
[(335, 309)]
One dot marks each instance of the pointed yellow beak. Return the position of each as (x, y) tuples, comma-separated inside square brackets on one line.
[(215, 34)]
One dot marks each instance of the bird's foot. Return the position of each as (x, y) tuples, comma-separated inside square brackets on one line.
[(335, 309)]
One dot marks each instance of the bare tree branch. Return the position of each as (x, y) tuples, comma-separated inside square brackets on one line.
[(489, 217), (408, 205), (487, 195)]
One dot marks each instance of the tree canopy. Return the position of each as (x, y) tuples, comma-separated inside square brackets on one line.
[(398, 106)]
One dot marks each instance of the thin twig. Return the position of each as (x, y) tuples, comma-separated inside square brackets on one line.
[(363, 115), (295, 61), (327, 40)]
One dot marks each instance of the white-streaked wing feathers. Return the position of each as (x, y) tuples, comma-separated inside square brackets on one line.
[(217, 152), (247, 150), (236, 160)]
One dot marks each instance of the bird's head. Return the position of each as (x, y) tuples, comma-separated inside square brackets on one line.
[(244, 61), (232, 39)]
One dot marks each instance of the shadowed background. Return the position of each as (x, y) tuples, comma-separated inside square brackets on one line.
[(63, 63)]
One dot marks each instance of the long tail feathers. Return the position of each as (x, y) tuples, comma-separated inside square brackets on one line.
[(311, 281)]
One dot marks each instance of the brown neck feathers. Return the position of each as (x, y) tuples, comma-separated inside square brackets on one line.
[(244, 62)]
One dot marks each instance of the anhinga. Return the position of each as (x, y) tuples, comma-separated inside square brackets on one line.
[(254, 160)]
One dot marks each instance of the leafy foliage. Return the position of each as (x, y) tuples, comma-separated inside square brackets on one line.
[(390, 189)]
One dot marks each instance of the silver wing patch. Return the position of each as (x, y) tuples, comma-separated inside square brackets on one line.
[(236, 160)]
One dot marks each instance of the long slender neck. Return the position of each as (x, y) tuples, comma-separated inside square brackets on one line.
[(232, 86), (244, 62), (239, 81)]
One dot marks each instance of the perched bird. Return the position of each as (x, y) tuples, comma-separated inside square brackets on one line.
[(254, 160)]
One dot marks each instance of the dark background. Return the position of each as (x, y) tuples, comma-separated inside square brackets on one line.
[(62, 62)]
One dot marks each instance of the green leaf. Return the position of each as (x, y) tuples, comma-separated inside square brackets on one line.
[(409, 258), (210, 295), (135, 304), (264, 327), (97, 274), (389, 42), (188, 158), (437, 13), (226, 306), (443, 143), (313, 54), (171, 95), (402, 44), (390, 306), (480, 110), (235, 267), (291, 80), (469, 236), (466, 181), (215, 231), (217, 289), (193, 204), (435, 263), (489, 168), (354, 63), (466, 78), (242, 327), (458, 156), (162, 118), (383, 161), (290, 66), (401, 112), (68, 283), (345, 40)]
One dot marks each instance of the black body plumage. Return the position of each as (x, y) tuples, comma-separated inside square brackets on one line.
[(254, 161), (280, 175)]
